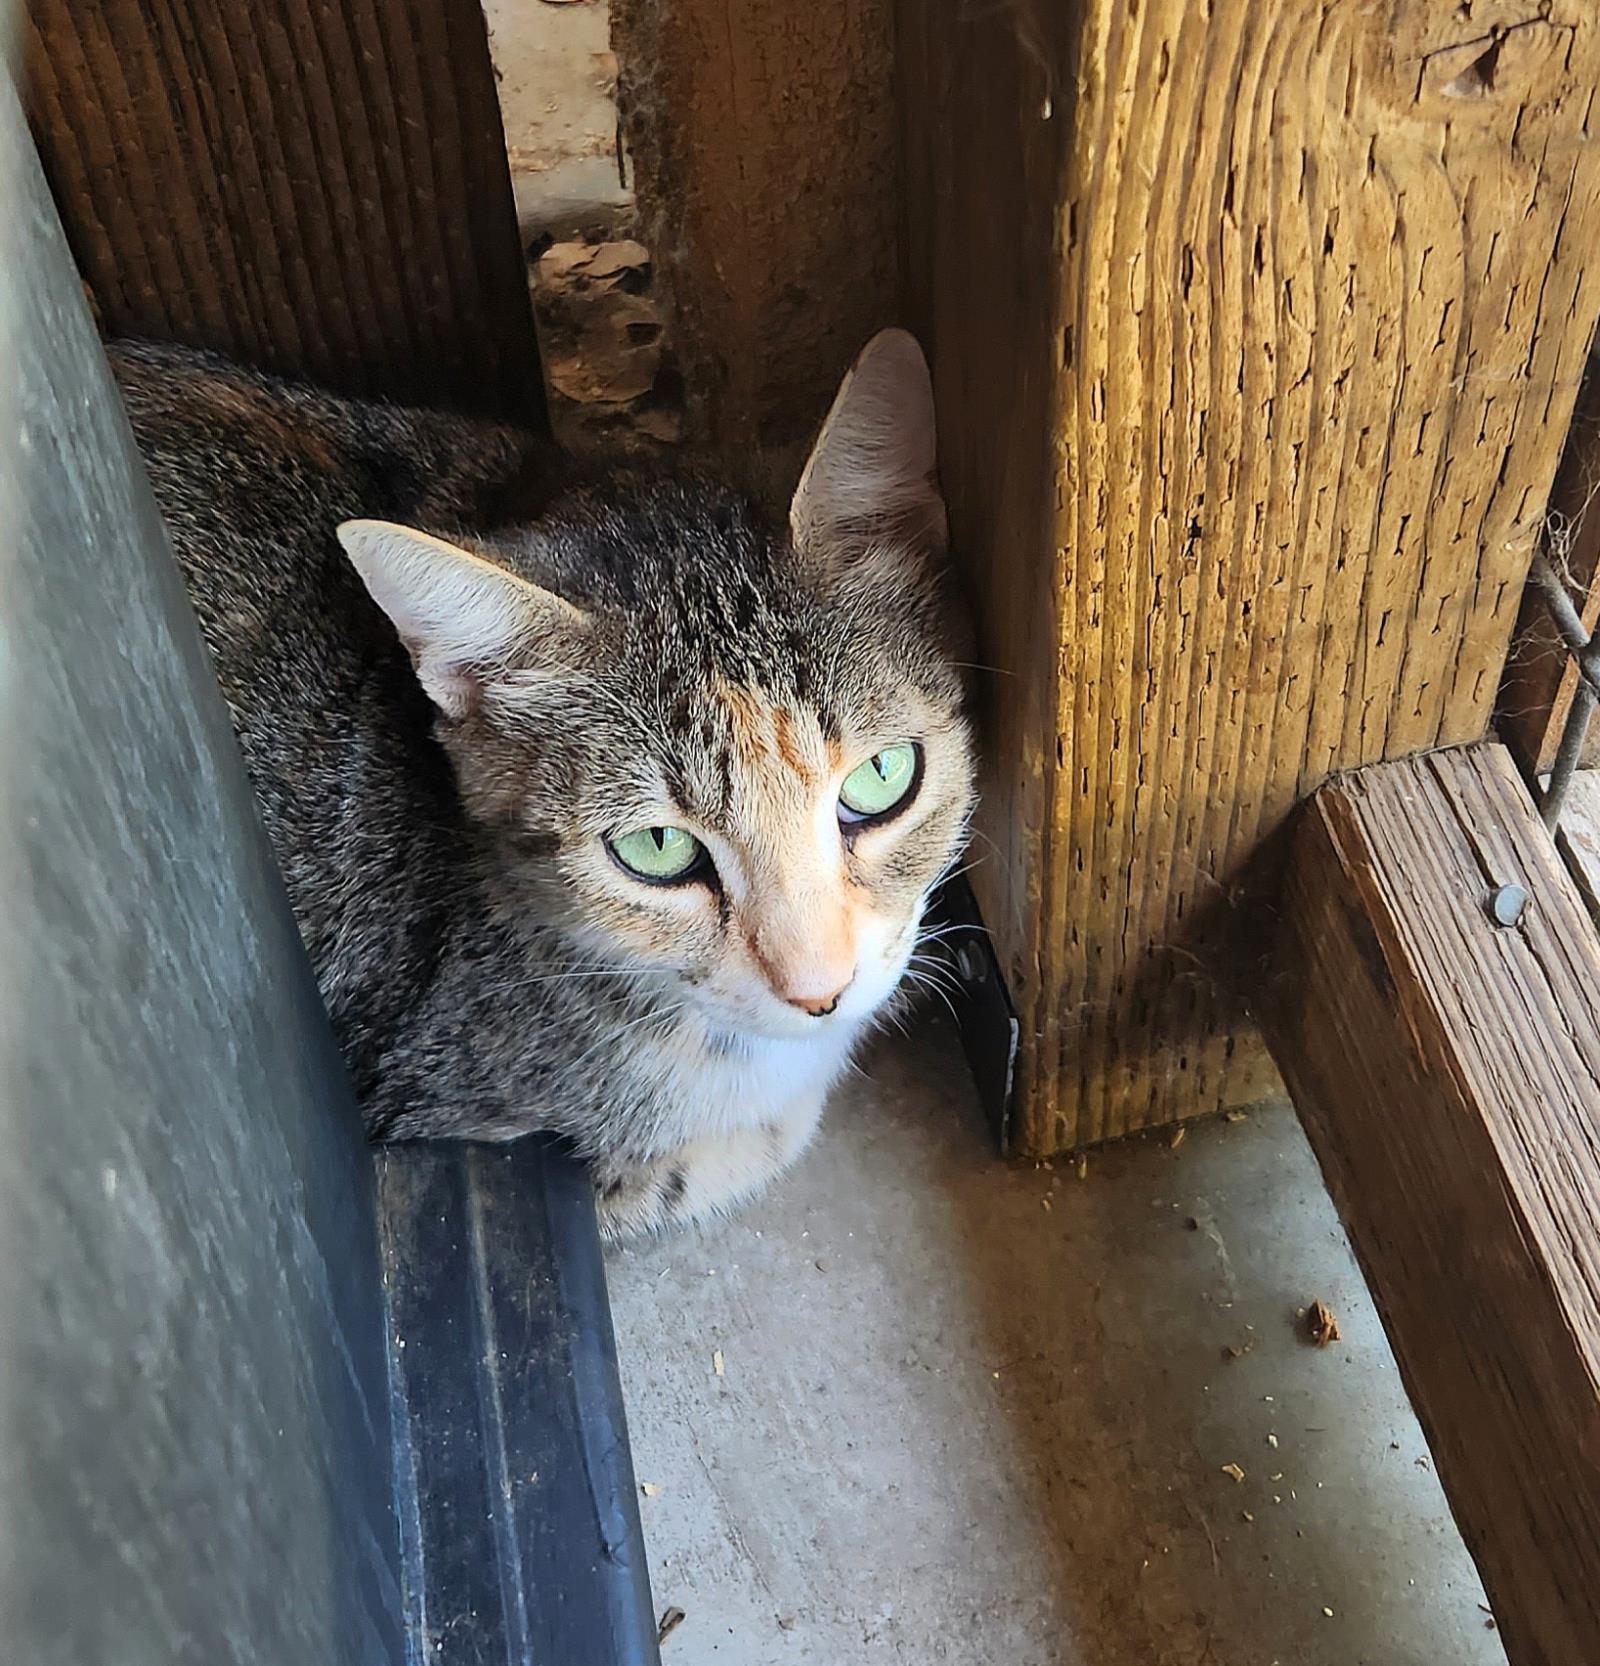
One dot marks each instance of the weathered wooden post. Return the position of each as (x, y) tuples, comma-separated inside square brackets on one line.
[(1256, 332)]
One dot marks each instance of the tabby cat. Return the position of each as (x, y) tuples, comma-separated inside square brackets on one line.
[(604, 807)]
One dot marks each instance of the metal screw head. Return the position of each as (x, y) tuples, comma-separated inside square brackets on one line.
[(1506, 904)]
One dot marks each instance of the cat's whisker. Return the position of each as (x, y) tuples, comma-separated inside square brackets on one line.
[(942, 934), (609, 1039), (972, 665), (620, 974), (932, 969), (922, 981), (896, 1018), (966, 868), (943, 991), (974, 832)]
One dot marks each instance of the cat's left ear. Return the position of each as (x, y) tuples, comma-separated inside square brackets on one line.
[(872, 475), (464, 621)]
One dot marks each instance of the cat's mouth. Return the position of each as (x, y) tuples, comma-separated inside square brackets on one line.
[(768, 1021)]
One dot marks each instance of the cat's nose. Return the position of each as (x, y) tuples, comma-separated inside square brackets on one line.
[(819, 1006)]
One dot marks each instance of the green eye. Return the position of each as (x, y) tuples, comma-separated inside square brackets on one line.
[(879, 784), (658, 853)]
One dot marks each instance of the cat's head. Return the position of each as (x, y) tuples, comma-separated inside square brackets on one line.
[(728, 757)]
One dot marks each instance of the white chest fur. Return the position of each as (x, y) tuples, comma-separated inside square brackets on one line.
[(717, 1086)]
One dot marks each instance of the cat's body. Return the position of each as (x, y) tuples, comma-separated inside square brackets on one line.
[(490, 964)]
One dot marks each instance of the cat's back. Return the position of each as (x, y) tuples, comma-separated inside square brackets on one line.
[(252, 476)]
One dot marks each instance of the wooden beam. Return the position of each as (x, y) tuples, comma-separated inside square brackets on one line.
[(1256, 330), (1541, 677), (1447, 1070), (311, 188), (763, 145)]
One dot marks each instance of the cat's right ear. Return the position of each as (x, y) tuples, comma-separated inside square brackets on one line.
[(871, 480), (464, 621)]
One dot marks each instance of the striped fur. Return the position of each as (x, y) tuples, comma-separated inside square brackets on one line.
[(489, 969)]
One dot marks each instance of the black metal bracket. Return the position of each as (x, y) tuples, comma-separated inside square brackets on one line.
[(520, 1536), (985, 1019)]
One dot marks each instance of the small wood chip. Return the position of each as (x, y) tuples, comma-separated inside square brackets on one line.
[(1272, 1441), (1233, 1470), (669, 1623), (1321, 1326), (1239, 1352), (717, 1363), (1082, 1165), (650, 1489), (1177, 1137), (1045, 1203), (1327, 1613)]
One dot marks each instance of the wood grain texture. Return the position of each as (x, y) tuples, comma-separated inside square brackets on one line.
[(1301, 292), (308, 187), (1540, 678), (763, 144), (1448, 1073)]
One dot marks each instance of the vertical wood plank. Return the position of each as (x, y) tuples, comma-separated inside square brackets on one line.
[(1302, 293), (763, 143), (311, 188)]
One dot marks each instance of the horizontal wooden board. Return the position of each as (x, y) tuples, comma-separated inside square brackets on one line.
[(1447, 1070)]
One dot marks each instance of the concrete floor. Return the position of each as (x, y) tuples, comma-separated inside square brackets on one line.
[(955, 1425), (557, 80)]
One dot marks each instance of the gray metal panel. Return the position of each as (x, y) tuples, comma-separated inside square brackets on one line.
[(194, 1457)]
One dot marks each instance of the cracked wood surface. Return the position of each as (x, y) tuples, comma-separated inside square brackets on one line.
[(1478, 1227), (1299, 294)]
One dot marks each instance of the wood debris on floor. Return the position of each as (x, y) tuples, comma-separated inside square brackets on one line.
[(1321, 1326), (603, 337)]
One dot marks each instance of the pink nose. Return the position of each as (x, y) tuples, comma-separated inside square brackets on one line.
[(819, 1006)]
